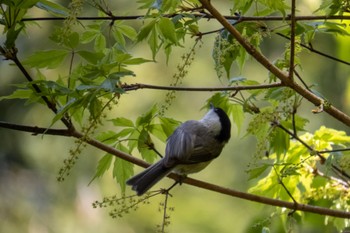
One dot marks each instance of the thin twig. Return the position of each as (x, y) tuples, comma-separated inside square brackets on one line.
[(302, 80), (311, 49), (292, 40), (136, 86), (165, 216), (334, 150), (285, 188)]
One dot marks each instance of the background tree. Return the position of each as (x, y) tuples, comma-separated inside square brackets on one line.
[(121, 82)]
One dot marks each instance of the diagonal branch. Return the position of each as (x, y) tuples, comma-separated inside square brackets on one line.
[(189, 181), (333, 111), (11, 54)]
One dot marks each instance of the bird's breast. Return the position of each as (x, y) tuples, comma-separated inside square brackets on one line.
[(184, 169)]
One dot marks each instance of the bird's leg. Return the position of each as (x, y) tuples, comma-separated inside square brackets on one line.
[(177, 181), (180, 179)]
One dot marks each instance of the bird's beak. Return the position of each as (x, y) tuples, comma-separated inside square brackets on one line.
[(211, 105)]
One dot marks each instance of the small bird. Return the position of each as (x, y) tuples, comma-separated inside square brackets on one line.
[(191, 147)]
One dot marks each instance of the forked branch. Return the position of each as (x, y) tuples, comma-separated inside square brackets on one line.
[(284, 77)]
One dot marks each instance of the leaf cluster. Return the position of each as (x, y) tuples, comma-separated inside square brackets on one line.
[(304, 177)]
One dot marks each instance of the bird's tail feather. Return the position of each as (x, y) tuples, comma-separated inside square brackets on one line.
[(143, 181)]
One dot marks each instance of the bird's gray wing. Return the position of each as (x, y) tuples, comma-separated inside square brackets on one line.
[(190, 143), (204, 153)]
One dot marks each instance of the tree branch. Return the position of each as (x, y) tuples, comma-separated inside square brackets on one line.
[(35, 130), (189, 181), (136, 86), (267, 201), (336, 113)]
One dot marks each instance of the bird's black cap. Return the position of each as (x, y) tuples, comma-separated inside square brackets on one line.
[(225, 132)]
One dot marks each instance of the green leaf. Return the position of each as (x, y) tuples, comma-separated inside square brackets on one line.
[(276, 5), (237, 113), (100, 43), (72, 40), (256, 172), (122, 122), (157, 131), (52, 88), (335, 28), (91, 57), (169, 5), (12, 35), (94, 106), (280, 142), (48, 58), (267, 186), (168, 125), (241, 6), (145, 30), (83, 87), (136, 61), (108, 137), (110, 85), (153, 43), (331, 136), (89, 36), (167, 51), (19, 94), (128, 31), (103, 165), (298, 121), (146, 118), (144, 142), (122, 169), (125, 132), (167, 29), (119, 38), (132, 144), (27, 4), (64, 109), (241, 59), (53, 8), (145, 4)]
